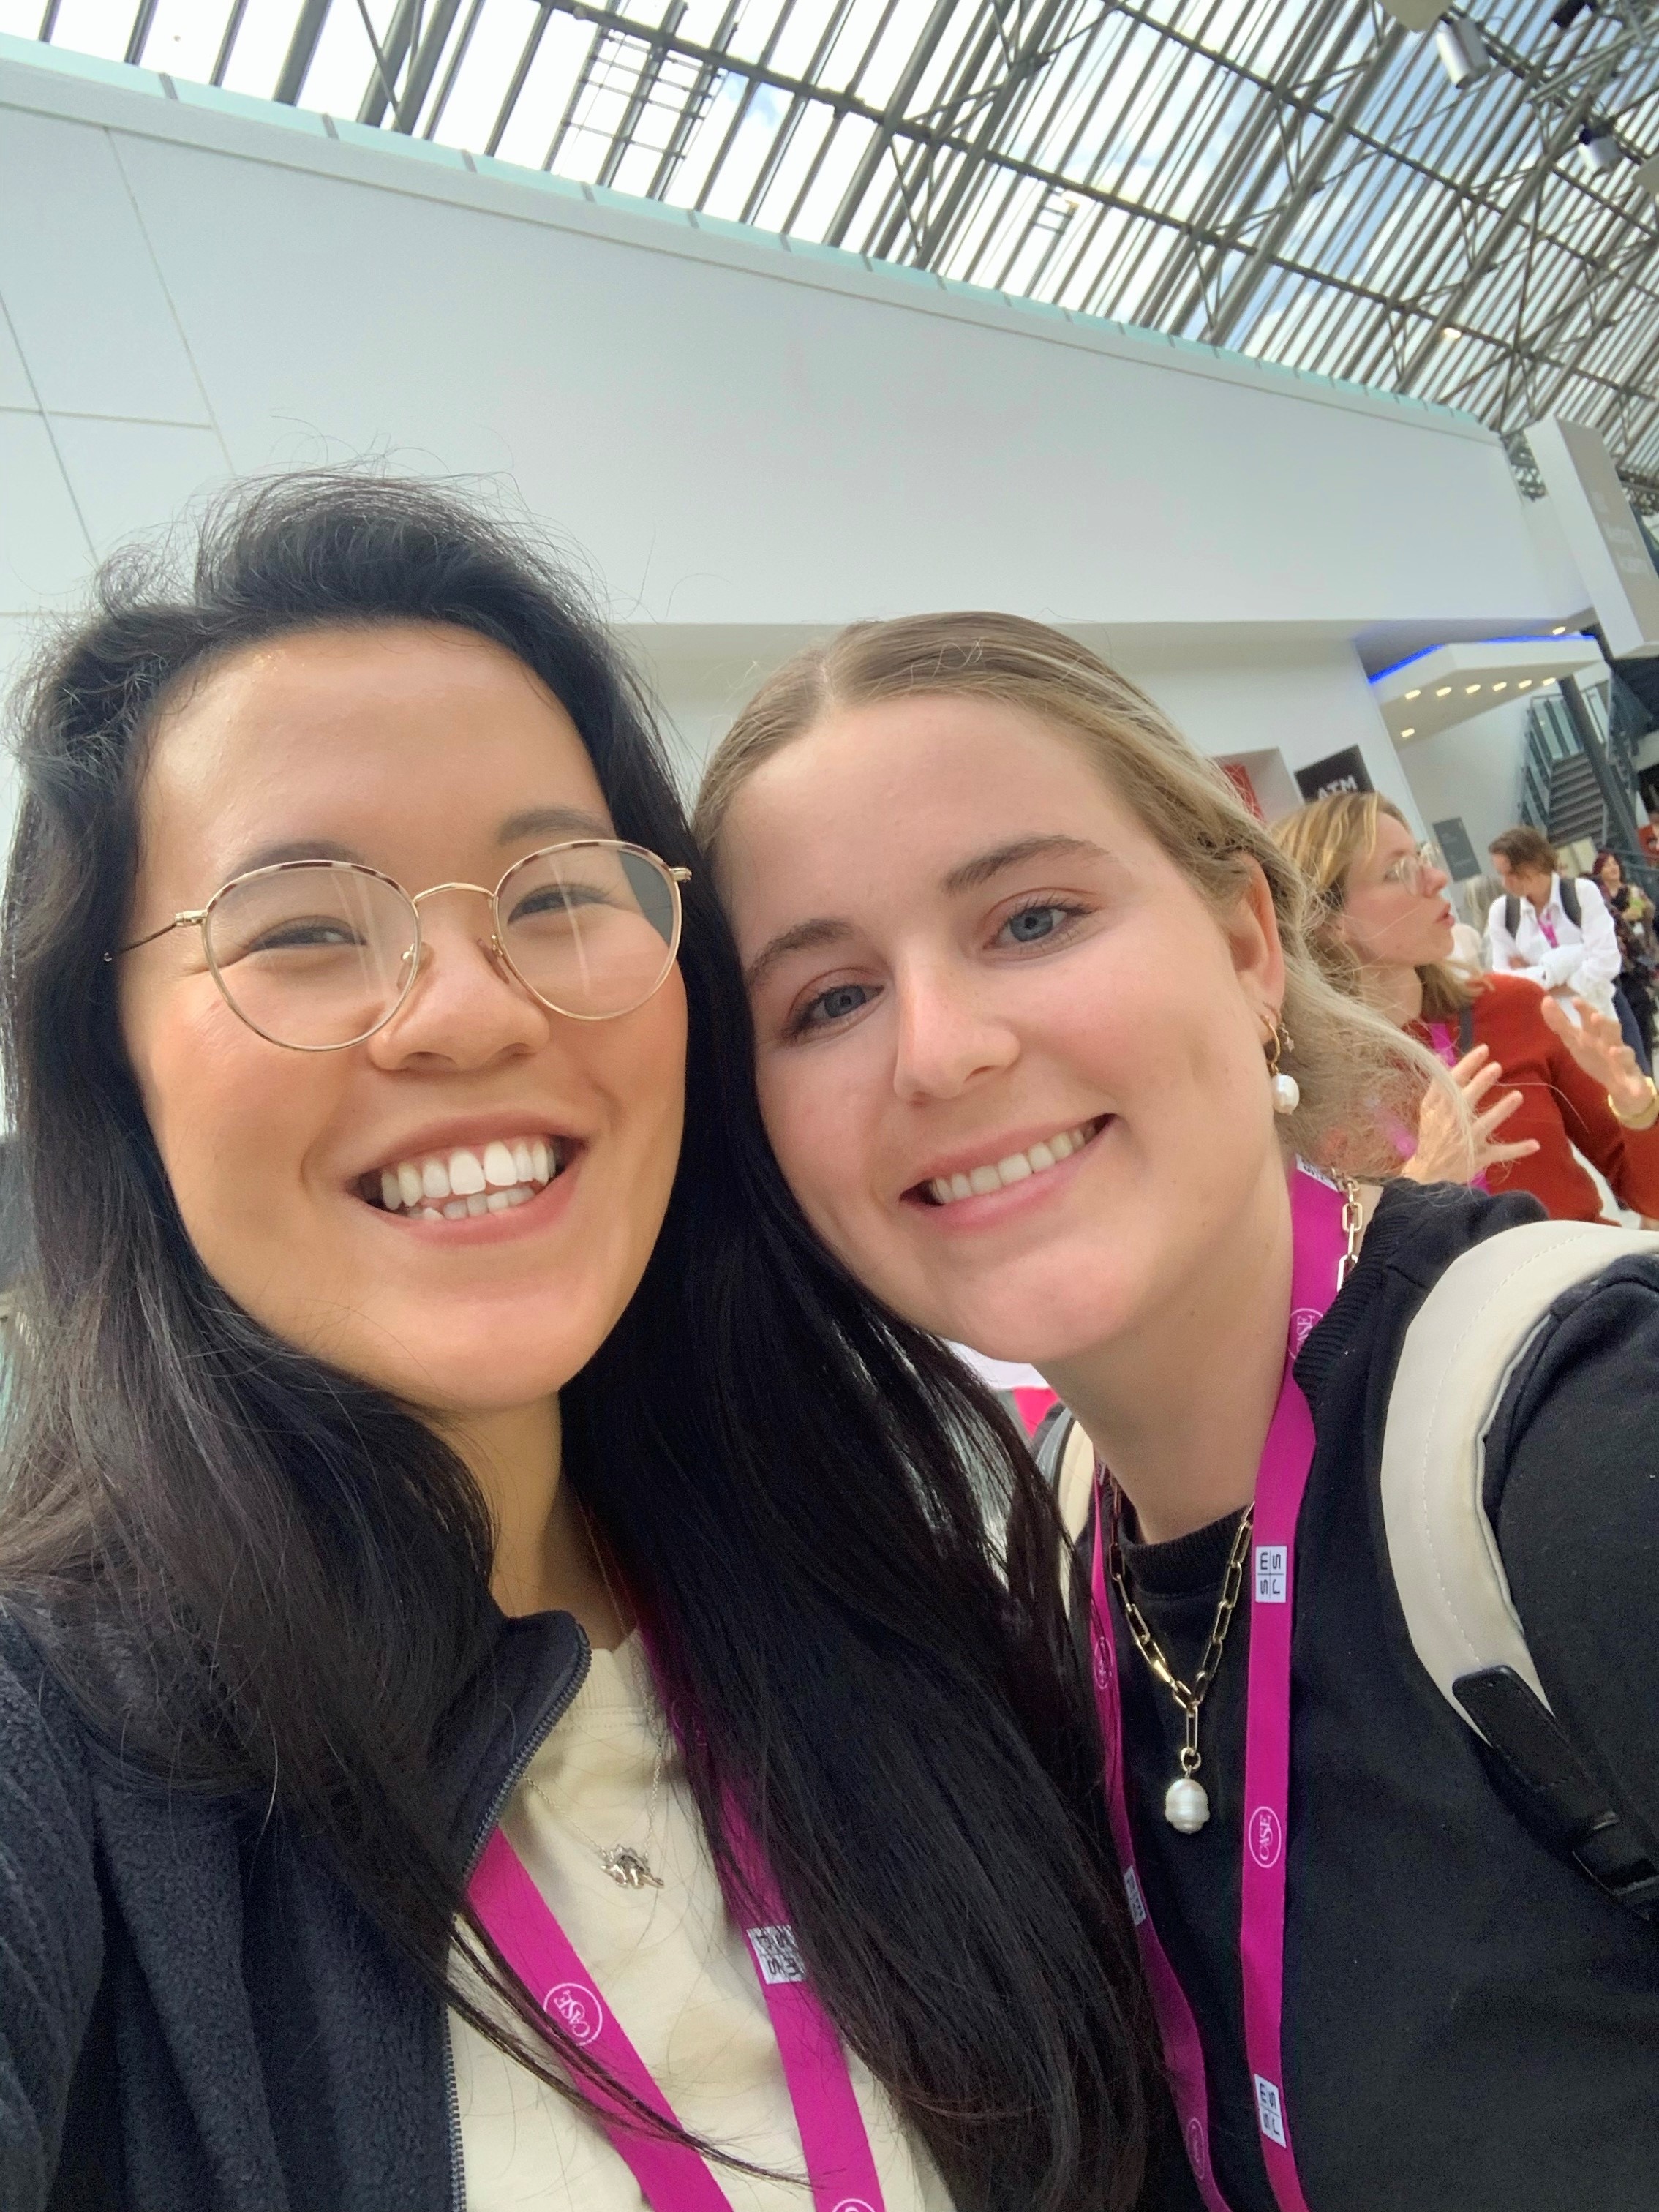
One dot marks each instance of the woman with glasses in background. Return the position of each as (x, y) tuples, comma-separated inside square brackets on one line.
[(1384, 932), (506, 1695)]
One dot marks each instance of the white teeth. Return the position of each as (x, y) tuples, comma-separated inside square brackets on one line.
[(1035, 1160), (467, 1173), (467, 1181)]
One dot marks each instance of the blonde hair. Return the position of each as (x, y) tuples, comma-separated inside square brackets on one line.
[(1359, 1075), (1327, 837)]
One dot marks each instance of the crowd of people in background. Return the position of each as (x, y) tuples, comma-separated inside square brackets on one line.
[(1542, 1039)]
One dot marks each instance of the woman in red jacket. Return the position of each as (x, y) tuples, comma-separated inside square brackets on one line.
[(1574, 1088)]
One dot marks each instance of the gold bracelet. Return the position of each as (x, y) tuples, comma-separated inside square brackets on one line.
[(1637, 1122)]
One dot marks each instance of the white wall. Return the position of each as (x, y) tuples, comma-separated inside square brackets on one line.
[(750, 444), (1472, 770)]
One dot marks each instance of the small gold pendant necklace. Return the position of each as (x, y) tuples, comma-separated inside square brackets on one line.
[(628, 1867), (1186, 1801)]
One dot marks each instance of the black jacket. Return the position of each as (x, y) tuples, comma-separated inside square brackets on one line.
[(1471, 2026), (195, 2016)]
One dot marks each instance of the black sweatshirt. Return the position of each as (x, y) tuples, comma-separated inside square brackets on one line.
[(1470, 2025), (194, 2015)]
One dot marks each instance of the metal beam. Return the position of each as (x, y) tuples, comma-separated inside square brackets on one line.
[(1311, 173), (381, 91), (424, 66), (301, 50), (140, 31), (227, 43), (890, 120)]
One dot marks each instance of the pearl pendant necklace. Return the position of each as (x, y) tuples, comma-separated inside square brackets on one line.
[(1186, 1801), (1186, 1804)]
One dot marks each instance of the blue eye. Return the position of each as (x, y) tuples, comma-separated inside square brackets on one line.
[(1036, 924), (832, 1006), (845, 998)]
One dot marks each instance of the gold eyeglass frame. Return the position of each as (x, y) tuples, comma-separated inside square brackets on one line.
[(201, 917), (1421, 862)]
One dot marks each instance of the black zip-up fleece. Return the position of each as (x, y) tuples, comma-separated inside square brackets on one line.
[(195, 2015)]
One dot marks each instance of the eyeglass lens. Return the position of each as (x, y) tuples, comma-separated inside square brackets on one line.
[(319, 954)]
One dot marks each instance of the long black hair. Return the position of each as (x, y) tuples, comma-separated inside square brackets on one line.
[(284, 1574)]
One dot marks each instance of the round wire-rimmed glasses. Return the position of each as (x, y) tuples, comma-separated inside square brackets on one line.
[(318, 955)]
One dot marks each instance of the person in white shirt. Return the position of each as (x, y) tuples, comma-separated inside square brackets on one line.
[(1566, 952)]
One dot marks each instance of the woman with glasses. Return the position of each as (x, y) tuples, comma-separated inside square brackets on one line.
[(1049, 1066), (1570, 1087), (506, 1696)]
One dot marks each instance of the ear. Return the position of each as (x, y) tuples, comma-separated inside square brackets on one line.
[(1258, 956)]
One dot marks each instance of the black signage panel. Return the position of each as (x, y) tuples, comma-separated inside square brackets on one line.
[(1459, 856), (1343, 771)]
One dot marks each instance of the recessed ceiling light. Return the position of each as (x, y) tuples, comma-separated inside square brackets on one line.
[(1408, 734), (1418, 694), (1561, 630), (1525, 685), (1443, 691), (1500, 687), (1469, 690)]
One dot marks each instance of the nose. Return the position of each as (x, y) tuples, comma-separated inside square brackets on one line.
[(950, 1031), (465, 1009), (1438, 879)]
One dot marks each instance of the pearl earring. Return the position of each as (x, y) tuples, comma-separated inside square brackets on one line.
[(1286, 1089)]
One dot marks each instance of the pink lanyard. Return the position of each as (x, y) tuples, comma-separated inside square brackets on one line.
[(1316, 1209), (839, 2165)]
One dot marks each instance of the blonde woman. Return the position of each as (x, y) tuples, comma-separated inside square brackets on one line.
[(1384, 931), (1025, 978)]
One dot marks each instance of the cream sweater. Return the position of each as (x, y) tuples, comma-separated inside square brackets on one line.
[(674, 1970)]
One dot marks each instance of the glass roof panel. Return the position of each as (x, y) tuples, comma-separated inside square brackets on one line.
[(1302, 184)]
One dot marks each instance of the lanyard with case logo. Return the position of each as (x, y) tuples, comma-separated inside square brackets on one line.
[(1324, 1222), (839, 2165)]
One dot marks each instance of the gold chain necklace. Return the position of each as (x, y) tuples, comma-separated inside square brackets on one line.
[(628, 1867), (1186, 1802)]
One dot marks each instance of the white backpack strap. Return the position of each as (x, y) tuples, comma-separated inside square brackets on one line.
[(1074, 1487), (1467, 1341)]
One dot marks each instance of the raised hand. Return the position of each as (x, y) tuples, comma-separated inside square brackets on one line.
[(1456, 1145), (1595, 1042)]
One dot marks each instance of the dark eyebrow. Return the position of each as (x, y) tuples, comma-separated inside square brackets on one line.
[(552, 822), (804, 937), (296, 848), (968, 875)]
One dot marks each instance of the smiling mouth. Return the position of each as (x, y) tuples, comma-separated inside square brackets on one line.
[(467, 1181), (1015, 1167)]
